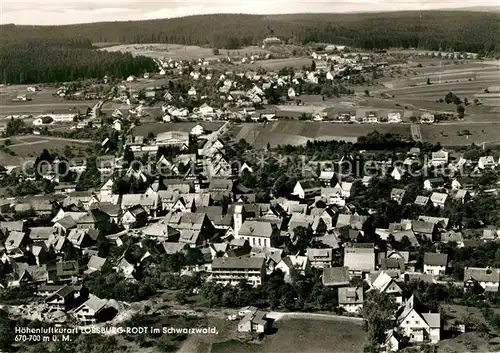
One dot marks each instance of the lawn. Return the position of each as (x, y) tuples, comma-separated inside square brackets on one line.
[(302, 336), (299, 132)]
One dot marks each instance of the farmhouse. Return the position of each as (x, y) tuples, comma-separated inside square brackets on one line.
[(487, 278), (435, 264), (351, 299)]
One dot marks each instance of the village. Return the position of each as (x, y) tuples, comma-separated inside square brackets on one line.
[(170, 190)]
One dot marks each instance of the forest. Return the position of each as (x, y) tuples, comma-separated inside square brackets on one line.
[(36, 60), (434, 30)]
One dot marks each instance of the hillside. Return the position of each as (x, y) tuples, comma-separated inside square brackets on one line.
[(458, 30)]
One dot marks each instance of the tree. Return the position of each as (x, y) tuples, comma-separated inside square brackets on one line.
[(449, 97), (313, 66), (460, 111), (378, 310), (367, 93), (466, 101), (215, 51), (428, 80)]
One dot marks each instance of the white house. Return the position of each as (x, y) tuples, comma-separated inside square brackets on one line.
[(117, 125), (299, 263), (486, 162), (438, 199), (394, 118), (305, 189), (192, 92), (435, 263), (131, 78), (397, 173), (291, 93), (417, 323), (197, 130), (439, 158)]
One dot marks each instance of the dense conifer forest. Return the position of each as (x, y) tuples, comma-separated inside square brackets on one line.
[(42, 59), (31, 54), (457, 30)]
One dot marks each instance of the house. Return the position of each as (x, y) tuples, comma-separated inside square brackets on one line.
[(452, 236), (134, 217), (192, 92), (359, 258), (95, 264), (178, 139), (306, 189), (335, 277), (82, 238), (461, 195), (290, 262), (257, 232), (435, 263), (439, 158), (417, 323), (197, 130), (392, 341), (439, 199), (394, 118), (15, 244), (320, 258), (488, 278), (397, 173), (67, 271), (291, 93), (253, 321), (433, 183), (90, 311), (421, 201), (486, 162), (327, 178), (427, 118), (232, 270), (385, 283), (63, 299), (351, 299), (397, 195)]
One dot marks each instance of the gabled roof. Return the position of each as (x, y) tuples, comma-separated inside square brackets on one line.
[(335, 276), (96, 262), (360, 257), (67, 268), (350, 295), (435, 259), (256, 228), (40, 233), (482, 274), (238, 263)]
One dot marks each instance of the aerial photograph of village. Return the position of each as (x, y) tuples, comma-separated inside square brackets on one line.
[(210, 177)]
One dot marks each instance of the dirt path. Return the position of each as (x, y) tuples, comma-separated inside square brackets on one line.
[(297, 315)]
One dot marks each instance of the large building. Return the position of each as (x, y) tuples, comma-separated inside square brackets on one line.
[(173, 138), (270, 41), (232, 270)]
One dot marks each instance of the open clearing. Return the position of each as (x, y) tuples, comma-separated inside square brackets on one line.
[(181, 52), (449, 134), (302, 336), (299, 132), (30, 146), (40, 102)]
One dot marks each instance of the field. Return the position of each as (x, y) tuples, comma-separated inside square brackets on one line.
[(449, 134), (157, 128), (181, 52), (299, 132), (41, 102), (304, 336), (466, 79), (30, 146)]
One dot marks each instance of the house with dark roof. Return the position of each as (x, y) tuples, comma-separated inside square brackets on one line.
[(67, 271), (91, 311), (351, 299), (134, 217), (259, 233), (435, 263), (232, 270), (485, 277), (320, 258), (63, 299)]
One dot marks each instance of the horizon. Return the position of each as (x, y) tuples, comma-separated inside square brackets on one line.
[(59, 12)]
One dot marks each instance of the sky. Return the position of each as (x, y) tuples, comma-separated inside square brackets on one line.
[(57, 12)]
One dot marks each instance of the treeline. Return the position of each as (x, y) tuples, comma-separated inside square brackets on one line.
[(25, 61), (435, 30)]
